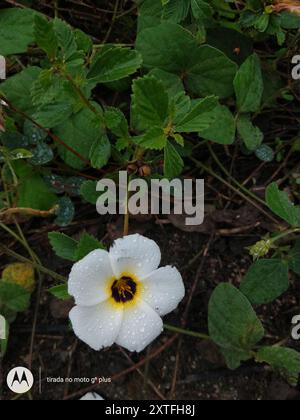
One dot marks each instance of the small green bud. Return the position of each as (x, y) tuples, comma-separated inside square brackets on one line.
[(261, 249)]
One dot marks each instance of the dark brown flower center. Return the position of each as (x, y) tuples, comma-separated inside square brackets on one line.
[(124, 290)]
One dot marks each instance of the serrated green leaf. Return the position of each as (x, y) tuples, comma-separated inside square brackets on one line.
[(201, 10), (51, 115), (17, 89), (173, 164), (279, 202), (150, 103), (63, 246), (89, 192), (154, 139), (176, 10), (14, 297), (45, 36), (16, 30), (60, 292), (116, 122), (265, 281), (66, 39), (80, 132), (113, 64), (100, 152), (87, 244), (199, 117)]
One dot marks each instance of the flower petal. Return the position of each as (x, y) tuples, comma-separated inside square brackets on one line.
[(97, 326), (141, 325), (89, 278), (163, 290), (92, 396), (135, 254)]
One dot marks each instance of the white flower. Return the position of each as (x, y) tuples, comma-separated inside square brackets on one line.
[(121, 295), (92, 396)]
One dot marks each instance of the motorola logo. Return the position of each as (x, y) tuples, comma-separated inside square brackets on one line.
[(20, 380)]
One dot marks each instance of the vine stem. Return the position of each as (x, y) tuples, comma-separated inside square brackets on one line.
[(38, 266), (226, 172), (240, 193), (284, 234), (183, 331)]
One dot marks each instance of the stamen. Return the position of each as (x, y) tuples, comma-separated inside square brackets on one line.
[(124, 290)]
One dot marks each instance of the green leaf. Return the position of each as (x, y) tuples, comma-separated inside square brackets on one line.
[(42, 155), (205, 70), (224, 128), (51, 115), (212, 73), (63, 246), (168, 47), (174, 164), (100, 152), (282, 359), (265, 281), (265, 153), (251, 135), (201, 10), (45, 36), (16, 30), (116, 122), (154, 139), (65, 212), (17, 89), (249, 85), (172, 83), (294, 258), (114, 64), (176, 10), (80, 132), (89, 192), (33, 192), (60, 292), (290, 20), (233, 324), (17, 154), (87, 244), (14, 297), (150, 14), (279, 202), (66, 39), (199, 117), (150, 103), (83, 41), (234, 358)]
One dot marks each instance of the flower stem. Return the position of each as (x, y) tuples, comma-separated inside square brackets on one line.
[(186, 332), (284, 234)]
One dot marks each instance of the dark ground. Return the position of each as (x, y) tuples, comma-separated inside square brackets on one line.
[(181, 368)]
